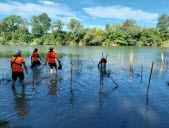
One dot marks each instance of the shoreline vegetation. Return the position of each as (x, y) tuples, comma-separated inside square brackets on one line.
[(41, 30), (165, 44)]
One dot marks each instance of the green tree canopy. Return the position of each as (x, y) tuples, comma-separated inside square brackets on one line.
[(163, 22)]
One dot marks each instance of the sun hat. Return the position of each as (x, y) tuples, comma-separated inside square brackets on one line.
[(18, 52), (50, 48)]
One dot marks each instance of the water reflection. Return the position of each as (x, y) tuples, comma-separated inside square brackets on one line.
[(72, 97), (103, 95), (21, 105), (103, 72), (146, 114), (36, 75), (146, 109), (53, 85)]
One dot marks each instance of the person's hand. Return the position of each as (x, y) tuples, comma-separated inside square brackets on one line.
[(59, 61)]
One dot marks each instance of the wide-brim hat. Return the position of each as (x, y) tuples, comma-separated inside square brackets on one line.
[(50, 48), (18, 52)]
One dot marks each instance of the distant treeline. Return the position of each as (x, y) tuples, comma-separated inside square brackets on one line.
[(40, 30)]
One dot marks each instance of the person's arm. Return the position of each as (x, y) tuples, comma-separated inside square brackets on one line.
[(46, 58), (25, 67), (56, 56), (11, 63), (23, 62), (31, 58), (38, 56)]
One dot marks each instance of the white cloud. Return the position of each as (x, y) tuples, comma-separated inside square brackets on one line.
[(27, 10), (120, 12), (46, 2)]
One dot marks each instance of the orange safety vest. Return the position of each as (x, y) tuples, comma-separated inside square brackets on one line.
[(16, 63), (50, 57), (35, 56)]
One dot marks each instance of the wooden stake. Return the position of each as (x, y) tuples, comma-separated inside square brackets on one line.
[(141, 72), (131, 60), (92, 59), (71, 67), (162, 57), (150, 78), (121, 61)]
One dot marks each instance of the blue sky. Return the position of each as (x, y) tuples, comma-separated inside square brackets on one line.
[(91, 13)]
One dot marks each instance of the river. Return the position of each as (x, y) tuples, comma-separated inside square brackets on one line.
[(80, 96)]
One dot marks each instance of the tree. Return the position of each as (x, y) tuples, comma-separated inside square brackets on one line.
[(118, 35), (58, 26), (57, 31), (94, 36), (133, 34), (45, 22), (76, 29), (9, 25), (21, 35), (40, 25), (128, 23), (163, 22)]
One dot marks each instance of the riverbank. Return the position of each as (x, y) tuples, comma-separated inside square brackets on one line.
[(164, 44)]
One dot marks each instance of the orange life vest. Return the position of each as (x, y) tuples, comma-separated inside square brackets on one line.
[(50, 57), (35, 56), (16, 63)]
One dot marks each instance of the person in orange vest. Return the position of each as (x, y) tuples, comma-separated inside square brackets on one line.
[(35, 58), (17, 71), (50, 58)]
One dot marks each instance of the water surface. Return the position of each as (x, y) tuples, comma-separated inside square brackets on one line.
[(81, 96)]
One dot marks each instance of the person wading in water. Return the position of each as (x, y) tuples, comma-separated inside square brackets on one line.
[(35, 58), (17, 71), (50, 58), (102, 62)]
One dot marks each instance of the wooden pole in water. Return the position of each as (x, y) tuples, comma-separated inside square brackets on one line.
[(101, 62), (162, 57), (92, 59), (119, 55), (78, 58), (71, 70), (131, 60), (106, 56), (150, 78), (167, 65), (141, 72), (121, 61)]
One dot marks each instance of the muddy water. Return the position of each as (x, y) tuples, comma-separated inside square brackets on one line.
[(81, 96)]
